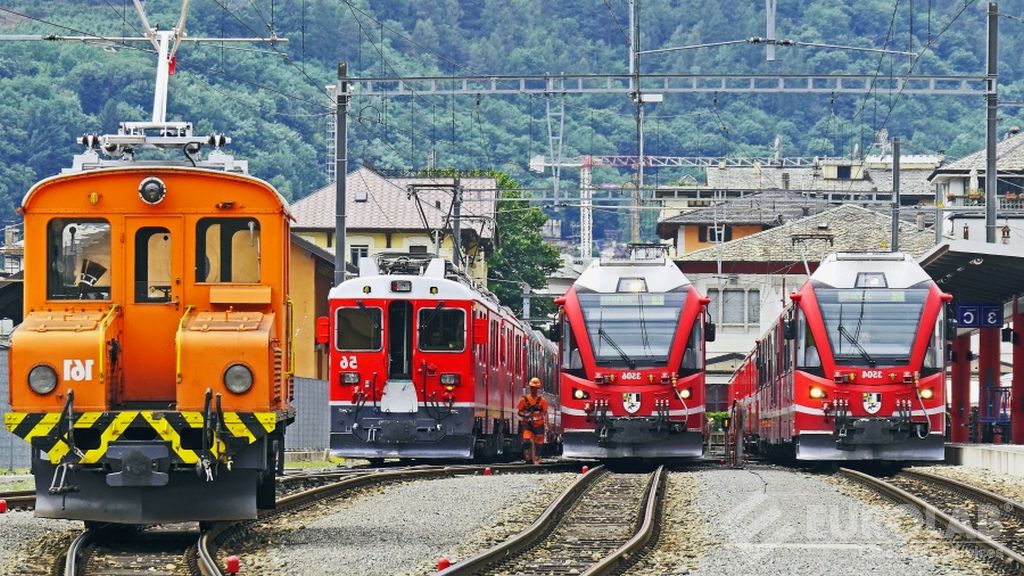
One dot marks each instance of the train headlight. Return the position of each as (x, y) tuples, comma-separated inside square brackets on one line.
[(42, 379), (238, 378), (152, 190), (927, 393), (580, 394), (685, 393), (817, 392)]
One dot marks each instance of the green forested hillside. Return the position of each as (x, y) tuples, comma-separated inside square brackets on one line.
[(274, 107)]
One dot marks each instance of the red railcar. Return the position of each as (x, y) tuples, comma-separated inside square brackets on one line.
[(632, 360), (424, 363), (853, 369)]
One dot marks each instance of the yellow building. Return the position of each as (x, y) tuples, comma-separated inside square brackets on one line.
[(402, 215)]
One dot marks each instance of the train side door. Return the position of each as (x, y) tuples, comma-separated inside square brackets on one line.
[(154, 255)]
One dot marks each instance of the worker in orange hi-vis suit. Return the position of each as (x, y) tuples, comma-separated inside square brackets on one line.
[(533, 414)]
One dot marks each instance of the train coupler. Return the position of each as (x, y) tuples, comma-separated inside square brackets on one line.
[(64, 480)]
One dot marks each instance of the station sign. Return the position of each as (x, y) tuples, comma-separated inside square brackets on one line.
[(979, 316)]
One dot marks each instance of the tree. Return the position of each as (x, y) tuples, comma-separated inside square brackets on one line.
[(522, 256)]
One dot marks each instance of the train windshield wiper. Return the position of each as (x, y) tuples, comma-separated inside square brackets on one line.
[(864, 353), (370, 317), (622, 353)]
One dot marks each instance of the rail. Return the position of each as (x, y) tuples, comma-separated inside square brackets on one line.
[(941, 519), (613, 562)]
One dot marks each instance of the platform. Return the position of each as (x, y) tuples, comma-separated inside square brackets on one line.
[(1002, 458)]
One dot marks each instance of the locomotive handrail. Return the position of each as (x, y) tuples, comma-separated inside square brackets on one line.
[(530, 535), (177, 344), (103, 339)]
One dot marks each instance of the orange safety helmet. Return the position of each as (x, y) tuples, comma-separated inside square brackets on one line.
[(534, 382)]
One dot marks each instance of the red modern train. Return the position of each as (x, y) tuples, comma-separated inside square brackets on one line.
[(425, 363), (632, 360), (853, 369)]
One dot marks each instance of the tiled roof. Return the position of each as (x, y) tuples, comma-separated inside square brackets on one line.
[(771, 207), (912, 181), (387, 205), (1009, 157), (846, 228)]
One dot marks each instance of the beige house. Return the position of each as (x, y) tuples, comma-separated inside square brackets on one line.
[(386, 214)]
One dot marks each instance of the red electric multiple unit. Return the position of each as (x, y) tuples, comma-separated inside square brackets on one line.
[(632, 360), (853, 369), (425, 363)]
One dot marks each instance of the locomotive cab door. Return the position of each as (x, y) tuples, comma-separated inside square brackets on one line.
[(154, 257), (399, 393)]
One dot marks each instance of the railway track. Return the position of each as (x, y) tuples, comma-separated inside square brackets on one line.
[(987, 523), (595, 527), (203, 557), (19, 499)]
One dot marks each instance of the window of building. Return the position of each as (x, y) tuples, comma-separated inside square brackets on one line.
[(442, 330), (417, 249), (78, 259), (358, 329), (712, 233), (228, 250), (357, 251), (843, 172), (736, 306)]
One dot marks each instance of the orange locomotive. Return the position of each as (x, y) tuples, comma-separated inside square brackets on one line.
[(152, 371)]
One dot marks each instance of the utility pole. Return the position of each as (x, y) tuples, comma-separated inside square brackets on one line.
[(586, 211), (638, 100), (895, 195), (992, 105), (341, 173), (457, 224)]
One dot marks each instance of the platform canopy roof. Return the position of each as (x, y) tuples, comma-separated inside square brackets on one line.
[(976, 272)]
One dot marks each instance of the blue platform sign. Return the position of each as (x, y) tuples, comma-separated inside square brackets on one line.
[(979, 316)]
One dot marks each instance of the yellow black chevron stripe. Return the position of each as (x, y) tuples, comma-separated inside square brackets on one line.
[(242, 428)]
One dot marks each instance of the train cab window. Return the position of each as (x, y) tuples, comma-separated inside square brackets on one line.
[(692, 358), (358, 328), (78, 259), (227, 250), (571, 359), (153, 264), (442, 330), (806, 348)]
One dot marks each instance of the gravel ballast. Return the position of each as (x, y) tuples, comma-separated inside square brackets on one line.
[(402, 529), (30, 545), (772, 521)]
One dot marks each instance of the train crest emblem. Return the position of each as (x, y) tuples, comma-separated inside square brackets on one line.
[(872, 402), (631, 402)]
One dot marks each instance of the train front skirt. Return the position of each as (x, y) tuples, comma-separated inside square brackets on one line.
[(632, 438), (823, 446), (430, 432)]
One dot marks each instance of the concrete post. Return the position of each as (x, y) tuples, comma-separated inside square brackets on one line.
[(960, 393)]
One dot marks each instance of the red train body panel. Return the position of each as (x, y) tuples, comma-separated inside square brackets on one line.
[(853, 369), (424, 364), (632, 361)]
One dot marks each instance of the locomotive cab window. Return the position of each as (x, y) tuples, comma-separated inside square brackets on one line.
[(153, 265), (442, 330), (78, 259), (228, 250), (358, 329)]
